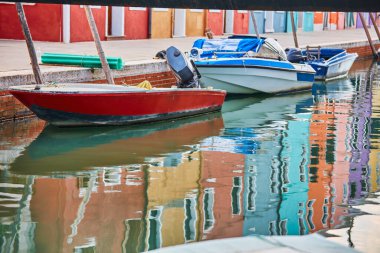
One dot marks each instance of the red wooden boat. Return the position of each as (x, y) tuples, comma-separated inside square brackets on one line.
[(95, 104)]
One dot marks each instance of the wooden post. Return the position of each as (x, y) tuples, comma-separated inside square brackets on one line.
[(294, 30), (30, 45), (368, 35), (255, 24), (375, 25), (95, 35)]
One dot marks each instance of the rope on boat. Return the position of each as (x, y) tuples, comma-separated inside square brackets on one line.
[(145, 85)]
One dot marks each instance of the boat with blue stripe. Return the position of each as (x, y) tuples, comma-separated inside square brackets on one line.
[(329, 63), (248, 65)]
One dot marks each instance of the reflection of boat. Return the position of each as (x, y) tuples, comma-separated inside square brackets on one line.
[(329, 63), (255, 112), (76, 149), (78, 104), (248, 66)]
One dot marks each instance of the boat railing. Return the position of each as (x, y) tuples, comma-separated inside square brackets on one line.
[(309, 52), (336, 56)]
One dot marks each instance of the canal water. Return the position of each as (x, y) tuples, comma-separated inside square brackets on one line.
[(266, 165)]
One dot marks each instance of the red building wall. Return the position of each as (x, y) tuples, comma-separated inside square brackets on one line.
[(79, 28), (44, 20), (241, 22), (215, 21), (136, 24)]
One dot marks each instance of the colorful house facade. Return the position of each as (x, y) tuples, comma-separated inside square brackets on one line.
[(68, 23)]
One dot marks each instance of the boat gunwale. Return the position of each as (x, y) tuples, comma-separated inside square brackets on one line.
[(30, 89), (328, 63), (312, 71)]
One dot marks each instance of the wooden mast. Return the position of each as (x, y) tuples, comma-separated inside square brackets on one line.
[(294, 29), (368, 35), (95, 35), (30, 45)]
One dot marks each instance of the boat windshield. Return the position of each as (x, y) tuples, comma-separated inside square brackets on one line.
[(271, 49)]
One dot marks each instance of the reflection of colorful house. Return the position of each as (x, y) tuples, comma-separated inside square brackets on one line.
[(374, 156), (221, 196), (261, 189), (360, 146), (339, 178), (294, 160), (79, 207), (320, 167), (172, 203)]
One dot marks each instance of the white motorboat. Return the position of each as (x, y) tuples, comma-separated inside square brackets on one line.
[(248, 66)]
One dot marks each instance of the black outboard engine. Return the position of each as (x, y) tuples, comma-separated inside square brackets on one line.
[(184, 69), (294, 55)]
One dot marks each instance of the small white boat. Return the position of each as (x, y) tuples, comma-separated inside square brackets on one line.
[(248, 66), (329, 63)]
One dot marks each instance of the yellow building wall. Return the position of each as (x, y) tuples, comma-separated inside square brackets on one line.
[(162, 23), (195, 22)]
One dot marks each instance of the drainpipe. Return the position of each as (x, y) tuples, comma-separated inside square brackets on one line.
[(150, 23), (66, 23)]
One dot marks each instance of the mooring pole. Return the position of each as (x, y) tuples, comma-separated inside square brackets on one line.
[(368, 35), (294, 30), (30, 45), (95, 35), (375, 25), (255, 24)]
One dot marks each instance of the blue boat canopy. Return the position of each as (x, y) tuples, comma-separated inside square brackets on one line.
[(233, 48)]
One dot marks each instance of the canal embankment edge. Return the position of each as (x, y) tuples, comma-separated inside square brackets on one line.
[(134, 72)]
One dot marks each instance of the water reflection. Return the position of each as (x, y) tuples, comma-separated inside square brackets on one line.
[(283, 165)]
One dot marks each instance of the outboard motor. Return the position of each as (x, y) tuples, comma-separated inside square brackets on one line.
[(184, 69), (294, 55)]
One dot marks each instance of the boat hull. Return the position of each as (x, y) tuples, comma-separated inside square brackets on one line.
[(251, 80), (118, 107), (334, 69)]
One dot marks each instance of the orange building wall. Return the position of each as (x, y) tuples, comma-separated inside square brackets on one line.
[(215, 21), (241, 22)]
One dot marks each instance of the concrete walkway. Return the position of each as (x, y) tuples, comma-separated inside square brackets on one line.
[(14, 54), (268, 244)]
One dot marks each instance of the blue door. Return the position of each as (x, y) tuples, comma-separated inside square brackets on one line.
[(260, 21), (279, 21), (308, 21), (289, 21)]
